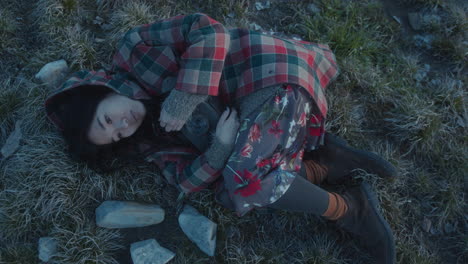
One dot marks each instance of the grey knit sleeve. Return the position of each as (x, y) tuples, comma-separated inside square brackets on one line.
[(181, 105), (218, 153)]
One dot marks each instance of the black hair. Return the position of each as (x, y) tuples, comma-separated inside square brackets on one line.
[(77, 111)]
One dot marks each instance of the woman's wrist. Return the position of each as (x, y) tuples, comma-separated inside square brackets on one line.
[(218, 153), (180, 105)]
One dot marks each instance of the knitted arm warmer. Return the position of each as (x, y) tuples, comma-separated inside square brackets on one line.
[(180, 105), (218, 153)]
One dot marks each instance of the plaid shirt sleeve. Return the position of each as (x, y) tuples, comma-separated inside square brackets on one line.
[(185, 168), (199, 45)]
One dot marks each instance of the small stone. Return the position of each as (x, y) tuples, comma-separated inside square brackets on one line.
[(231, 15), (199, 229), (431, 19), (13, 141), (150, 252), (99, 40), (461, 122), (422, 73), (415, 21), (449, 228), (255, 26), (53, 72), (98, 20), (427, 224), (397, 19), (423, 41), (119, 214), (313, 9), (262, 5), (47, 248), (296, 37), (106, 27)]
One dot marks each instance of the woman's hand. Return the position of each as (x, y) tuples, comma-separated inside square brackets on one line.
[(228, 124), (170, 123)]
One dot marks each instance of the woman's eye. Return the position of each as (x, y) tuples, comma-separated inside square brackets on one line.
[(108, 120)]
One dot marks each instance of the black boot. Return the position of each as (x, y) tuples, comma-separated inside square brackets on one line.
[(365, 221), (342, 159)]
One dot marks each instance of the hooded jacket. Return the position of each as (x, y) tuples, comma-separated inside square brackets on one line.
[(197, 55)]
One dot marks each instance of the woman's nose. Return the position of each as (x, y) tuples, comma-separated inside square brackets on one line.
[(124, 123)]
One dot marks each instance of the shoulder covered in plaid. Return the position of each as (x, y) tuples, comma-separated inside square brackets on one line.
[(192, 48)]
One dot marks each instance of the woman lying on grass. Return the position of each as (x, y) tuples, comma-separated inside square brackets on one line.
[(268, 149)]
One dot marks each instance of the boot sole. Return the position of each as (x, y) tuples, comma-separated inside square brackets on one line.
[(372, 198), (388, 170)]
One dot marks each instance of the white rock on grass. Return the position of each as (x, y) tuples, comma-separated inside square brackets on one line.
[(415, 20), (13, 141), (47, 248), (199, 229), (262, 5), (53, 72), (313, 9), (255, 26), (150, 252), (123, 214)]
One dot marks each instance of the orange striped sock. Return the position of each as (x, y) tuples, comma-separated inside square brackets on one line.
[(337, 207), (315, 172)]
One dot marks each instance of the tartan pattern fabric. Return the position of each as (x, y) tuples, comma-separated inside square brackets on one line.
[(184, 168), (206, 58), (193, 48)]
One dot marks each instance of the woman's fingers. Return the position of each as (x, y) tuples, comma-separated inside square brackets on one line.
[(175, 125), (170, 124), (180, 125), (224, 114)]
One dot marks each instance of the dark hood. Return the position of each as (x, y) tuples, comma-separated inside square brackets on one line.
[(119, 83)]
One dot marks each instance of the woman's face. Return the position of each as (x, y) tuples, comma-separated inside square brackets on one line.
[(116, 117)]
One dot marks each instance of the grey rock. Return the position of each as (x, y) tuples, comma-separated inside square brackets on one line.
[(313, 9), (47, 248), (255, 26), (99, 40), (199, 229), (13, 141), (461, 122), (427, 224), (262, 5), (150, 252), (397, 19), (53, 72), (415, 20), (119, 214), (98, 20), (422, 73), (423, 41), (431, 20), (106, 27)]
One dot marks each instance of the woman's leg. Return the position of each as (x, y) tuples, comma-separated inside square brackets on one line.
[(339, 159), (355, 211), (304, 196)]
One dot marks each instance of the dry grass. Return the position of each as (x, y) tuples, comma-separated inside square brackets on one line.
[(8, 26), (378, 103)]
